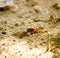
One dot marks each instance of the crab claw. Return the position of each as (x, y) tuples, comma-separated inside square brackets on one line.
[(35, 28)]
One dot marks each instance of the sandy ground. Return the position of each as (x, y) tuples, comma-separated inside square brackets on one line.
[(30, 13)]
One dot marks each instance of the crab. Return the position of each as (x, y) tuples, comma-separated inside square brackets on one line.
[(7, 4)]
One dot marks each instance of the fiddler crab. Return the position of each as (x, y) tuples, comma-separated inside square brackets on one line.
[(33, 30)]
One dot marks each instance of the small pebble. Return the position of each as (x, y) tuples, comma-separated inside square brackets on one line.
[(36, 20), (3, 32), (16, 24), (36, 46), (20, 54), (58, 19), (23, 23), (14, 40), (3, 44), (30, 48), (55, 6), (37, 9)]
